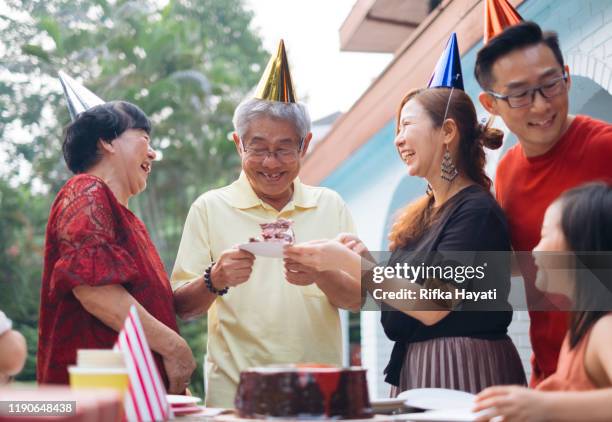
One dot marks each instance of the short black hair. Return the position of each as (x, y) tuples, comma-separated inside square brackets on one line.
[(524, 34), (104, 122)]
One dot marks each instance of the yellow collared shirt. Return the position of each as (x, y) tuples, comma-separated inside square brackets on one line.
[(265, 320)]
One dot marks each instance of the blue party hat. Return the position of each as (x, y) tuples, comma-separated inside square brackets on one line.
[(447, 73)]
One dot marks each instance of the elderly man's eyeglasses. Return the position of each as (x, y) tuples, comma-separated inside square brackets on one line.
[(549, 89), (284, 155)]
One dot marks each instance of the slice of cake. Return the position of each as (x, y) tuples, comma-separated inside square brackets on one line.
[(303, 392), (277, 231)]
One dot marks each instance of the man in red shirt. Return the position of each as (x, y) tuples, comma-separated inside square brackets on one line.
[(526, 83)]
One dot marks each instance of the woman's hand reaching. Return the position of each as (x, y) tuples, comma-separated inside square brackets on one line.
[(322, 255)]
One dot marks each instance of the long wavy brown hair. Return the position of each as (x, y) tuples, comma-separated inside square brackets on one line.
[(413, 220)]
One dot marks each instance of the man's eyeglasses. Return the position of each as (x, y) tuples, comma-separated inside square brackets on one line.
[(284, 155), (549, 89)]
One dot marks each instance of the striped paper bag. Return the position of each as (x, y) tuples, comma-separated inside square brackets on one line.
[(146, 399)]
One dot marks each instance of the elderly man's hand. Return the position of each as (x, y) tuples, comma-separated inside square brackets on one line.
[(233, 267), (299, 274), (179, 365)]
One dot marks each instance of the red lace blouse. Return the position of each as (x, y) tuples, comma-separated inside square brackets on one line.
[(93, 240)]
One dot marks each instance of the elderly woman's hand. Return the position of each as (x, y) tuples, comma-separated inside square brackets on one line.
[(179, 364), (320, 255), (512, 404)]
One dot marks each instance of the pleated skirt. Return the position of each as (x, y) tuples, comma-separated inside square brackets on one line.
[(460, 363)]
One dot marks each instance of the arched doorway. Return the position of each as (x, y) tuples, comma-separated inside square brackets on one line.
[(590, 98)]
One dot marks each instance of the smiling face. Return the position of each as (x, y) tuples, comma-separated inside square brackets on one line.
[(133, 159), (540, 125), (271, 175), (416, 142), (552, 255)]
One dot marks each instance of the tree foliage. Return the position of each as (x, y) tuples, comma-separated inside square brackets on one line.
[(185, 63)]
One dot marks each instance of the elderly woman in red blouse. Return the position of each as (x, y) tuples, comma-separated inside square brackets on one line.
[(99, 258)]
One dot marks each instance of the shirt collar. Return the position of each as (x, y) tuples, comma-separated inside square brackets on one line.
[(242, 196)]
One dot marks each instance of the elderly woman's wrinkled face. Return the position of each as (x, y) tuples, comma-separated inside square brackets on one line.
[(134, 159), (271, 157), (416, 142), (552, 255)]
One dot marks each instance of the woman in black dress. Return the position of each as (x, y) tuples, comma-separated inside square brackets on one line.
[(460, 345)]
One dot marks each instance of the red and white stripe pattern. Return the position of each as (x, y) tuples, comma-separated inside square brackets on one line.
[(146, 399)]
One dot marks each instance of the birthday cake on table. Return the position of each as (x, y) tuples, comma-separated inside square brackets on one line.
[(276, 231), (303, 392)]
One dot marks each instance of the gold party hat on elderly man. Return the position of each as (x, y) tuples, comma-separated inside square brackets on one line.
[(275, 83)]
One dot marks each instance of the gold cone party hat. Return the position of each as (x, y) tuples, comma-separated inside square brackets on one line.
[(275, 83)]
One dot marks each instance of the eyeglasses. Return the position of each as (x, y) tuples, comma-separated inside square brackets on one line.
[(284, 155), (549, 89)]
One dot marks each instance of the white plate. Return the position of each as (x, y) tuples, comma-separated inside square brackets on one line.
[(178, 399), (447, 415), (437, 399), (387, 405), (187, 410), (269, 249)]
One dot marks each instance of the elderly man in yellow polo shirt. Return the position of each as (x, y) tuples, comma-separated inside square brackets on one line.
[(263, 310)]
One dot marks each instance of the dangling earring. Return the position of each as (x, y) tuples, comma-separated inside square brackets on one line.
[(448, 171)]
